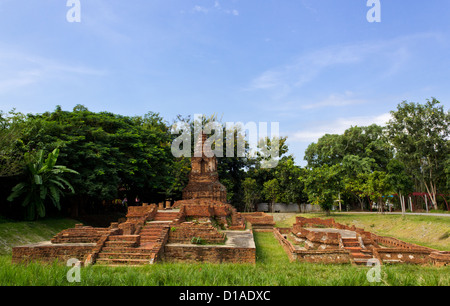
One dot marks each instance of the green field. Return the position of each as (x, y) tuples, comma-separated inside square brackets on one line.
[(272, 269)]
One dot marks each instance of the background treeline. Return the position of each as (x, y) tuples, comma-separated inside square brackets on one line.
[(107, 157)]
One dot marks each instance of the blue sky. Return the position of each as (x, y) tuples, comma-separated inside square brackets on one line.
[(314, 66)]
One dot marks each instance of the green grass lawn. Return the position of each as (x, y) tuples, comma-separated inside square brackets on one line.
[(272, 269)]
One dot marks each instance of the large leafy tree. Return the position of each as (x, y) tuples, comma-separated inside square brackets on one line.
[(111, 152), (359, 151), (378, 188), (288, 174), (11, 146), (364, 142), (399, 181), (252, 193), (271, 192), (323, 186), (420, 134), (43, 180)]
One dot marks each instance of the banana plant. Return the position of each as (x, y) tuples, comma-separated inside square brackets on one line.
[(43, 181)]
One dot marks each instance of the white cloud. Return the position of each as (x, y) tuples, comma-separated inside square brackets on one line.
[(335, 100), (393, 55), (215, 8), (337, 126), (18, 69), (200, 9)]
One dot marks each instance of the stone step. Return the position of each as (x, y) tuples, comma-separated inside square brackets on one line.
[(128, 262), (163, 219), (353, 248), (361, 261), (124, 238), (157, 224), (361, 255), (351, 244), (146, 256), (143, 241), (151, 230), (126, 250), (120, 244)]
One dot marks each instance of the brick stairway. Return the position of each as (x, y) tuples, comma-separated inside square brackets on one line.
[(168, 216), (353, 245), (152, 232), (137, 249), (124, 250)]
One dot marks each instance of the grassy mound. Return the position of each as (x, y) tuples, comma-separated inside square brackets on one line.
[(20, 233)]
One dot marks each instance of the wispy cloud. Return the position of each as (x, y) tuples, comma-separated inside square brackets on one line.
[(216, 7), (337, 126), (19, 69), (392, 55), (335, 100)]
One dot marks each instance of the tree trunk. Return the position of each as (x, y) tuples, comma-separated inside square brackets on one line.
[(432, 193), (402, 203)]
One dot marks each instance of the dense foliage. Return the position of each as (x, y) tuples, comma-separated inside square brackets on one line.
[(121, 157)]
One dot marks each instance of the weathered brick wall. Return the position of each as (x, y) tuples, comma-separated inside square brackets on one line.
[(324, 256), (199, 210), (440, 259), (137, 214), (287, 246), (136, 218), (184, 233), (329, 254), (192, 254), (258, 218), (403, 255), (314, 222), (259, 221), (51, 252), (396, 243), (80, 234), (158, 248)]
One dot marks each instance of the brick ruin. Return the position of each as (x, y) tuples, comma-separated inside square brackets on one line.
[(204, 181), (201, 227), (326, 241)]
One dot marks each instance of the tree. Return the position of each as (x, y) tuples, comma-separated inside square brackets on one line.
[(271, 192), (399, 181), (365, 142), (288, 174), (323, 185), (378, 187), (355, 172), (252, 194), (11, 146), (420, 134), (43, 181)]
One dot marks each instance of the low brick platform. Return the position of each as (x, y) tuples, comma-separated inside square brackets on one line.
[(238, 248), (325, 241), (48, 252)]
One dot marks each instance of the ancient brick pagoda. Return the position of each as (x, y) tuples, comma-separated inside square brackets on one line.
[(204, 181)]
